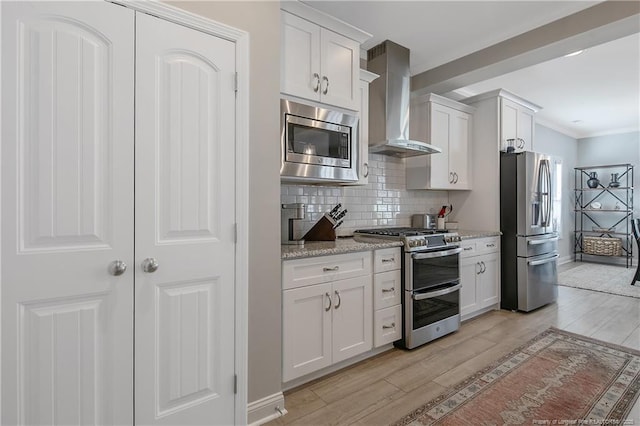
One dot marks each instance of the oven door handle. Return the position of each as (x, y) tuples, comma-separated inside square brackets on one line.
[(432, 254), (432, 294)]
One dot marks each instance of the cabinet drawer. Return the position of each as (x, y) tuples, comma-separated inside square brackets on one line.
[(488, 245), (386, 260), (314, 270), (387, 325), (386, 289), (468, 248)]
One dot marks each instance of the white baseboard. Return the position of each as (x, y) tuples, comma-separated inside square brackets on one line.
[(266, 409)]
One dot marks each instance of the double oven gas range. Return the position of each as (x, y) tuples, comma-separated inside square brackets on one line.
[(430, 281)]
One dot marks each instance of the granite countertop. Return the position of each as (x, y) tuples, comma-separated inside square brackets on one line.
[(341, 245), (466, 234)]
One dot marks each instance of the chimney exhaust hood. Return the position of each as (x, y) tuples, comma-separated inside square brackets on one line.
[(389, 103)]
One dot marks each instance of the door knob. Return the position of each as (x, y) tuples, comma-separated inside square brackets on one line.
[(117, 267), (150, 264)]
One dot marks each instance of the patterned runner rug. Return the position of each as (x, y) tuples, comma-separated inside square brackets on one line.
[(556, 378), (605, 278)]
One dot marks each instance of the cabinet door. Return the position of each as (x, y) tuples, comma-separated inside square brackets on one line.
[(340, 76), (363, 140), (440, 135), (459, 148), (469, 297), (352, 317), (300, 57), (508, 123), (526, 126), (306, 330), (488, 280), (67, 213)]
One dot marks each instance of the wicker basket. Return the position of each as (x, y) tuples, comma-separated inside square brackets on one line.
[(602, 246)]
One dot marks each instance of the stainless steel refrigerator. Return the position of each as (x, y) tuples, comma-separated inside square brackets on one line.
[(529, 233)]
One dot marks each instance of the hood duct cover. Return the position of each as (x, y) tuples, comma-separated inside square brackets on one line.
[(389, 103)]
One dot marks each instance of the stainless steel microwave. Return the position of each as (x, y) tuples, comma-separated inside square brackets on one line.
[(317, 144)]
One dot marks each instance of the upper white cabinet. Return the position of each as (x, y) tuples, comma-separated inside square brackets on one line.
[(517, 125), (320, 57), (366, 77), (446, 124)]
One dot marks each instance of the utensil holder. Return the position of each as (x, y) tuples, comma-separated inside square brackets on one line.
[(322, 230)]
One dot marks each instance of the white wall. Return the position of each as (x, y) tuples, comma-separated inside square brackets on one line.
[(564, 147), (385, 201), (262, 21)]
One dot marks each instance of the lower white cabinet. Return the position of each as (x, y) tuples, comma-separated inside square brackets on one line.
[(387, 292), (328, 322), (479, 276)]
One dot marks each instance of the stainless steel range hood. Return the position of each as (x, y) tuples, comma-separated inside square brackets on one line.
[(389, 102)]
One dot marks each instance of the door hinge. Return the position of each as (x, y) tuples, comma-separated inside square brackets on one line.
[(235, 384), (235, 83)]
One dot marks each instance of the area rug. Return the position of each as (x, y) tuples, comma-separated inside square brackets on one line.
[(605, 278), (556, 378)]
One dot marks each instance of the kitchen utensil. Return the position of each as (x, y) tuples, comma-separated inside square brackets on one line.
[(426, 221), (338, 224), (334, 211), (442, 211), (341, 214)]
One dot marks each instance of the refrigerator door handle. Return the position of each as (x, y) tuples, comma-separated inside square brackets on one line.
[(543, 261)]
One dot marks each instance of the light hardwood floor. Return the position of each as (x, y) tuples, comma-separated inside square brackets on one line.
[(382, 389)]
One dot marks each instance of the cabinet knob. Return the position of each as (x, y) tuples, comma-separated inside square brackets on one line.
[(150, 265)]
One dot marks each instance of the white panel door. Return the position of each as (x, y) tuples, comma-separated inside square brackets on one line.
[(67, 213), (509, 122), (306, 330), (469, 297), (300, 60), (440, 136), (459, 149), (489, 282), (340, 61), (184, 221), (352, 317)]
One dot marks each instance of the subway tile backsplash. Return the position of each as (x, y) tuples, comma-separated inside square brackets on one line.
[(385, 201)]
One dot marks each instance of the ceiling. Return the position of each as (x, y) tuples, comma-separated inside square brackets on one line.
[(597, 92)]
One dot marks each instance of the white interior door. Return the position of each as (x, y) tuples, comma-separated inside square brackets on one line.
[(184, 220), (67, 213)]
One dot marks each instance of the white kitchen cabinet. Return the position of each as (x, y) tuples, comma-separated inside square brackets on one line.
[(517, 124), (446, 124), (479, 276), (387, 293), (480, 208), (366, 78), (327, 311), (319, 64)]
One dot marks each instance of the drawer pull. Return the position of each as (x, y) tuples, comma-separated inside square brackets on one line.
[(491, 245), (335, 268), (468, 248), (393, 325), (393, 259), (388, 290), (339, 300), (327, 309)]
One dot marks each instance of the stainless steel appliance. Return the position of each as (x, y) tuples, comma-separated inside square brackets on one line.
[(291, 224), (317, 144), (426, 221), (529, 238), (389, 103), (430, 282)]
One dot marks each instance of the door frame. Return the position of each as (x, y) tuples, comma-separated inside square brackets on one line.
[(241, 40)]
